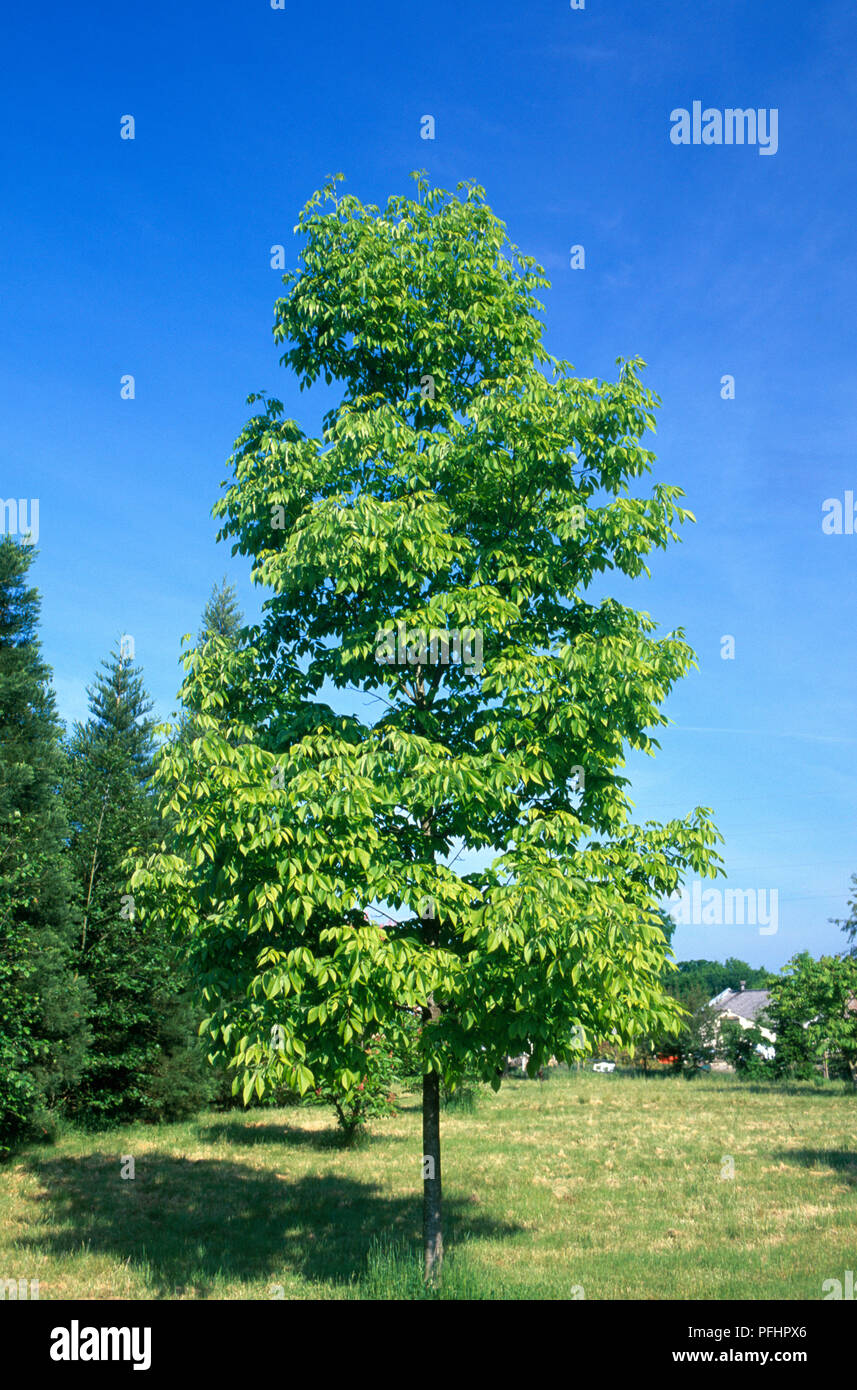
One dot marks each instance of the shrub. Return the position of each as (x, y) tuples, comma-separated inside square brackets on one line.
[(373, 1097), (739, 1048)]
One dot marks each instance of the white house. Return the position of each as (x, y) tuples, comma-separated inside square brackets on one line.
[(745, 1007)]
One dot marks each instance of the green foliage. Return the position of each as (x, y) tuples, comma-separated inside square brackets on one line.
[(179, 1081), (43, 1037), (712, 977), (221, 616), (739, 1046), (689, 1039), (405, 1042), (488, 502), (373, 1096), (694, 1046), (813, 1011), (145, 1059)]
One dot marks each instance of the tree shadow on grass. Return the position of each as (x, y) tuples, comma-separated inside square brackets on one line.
[(842, 1161), (187, 1221), (242, 1134)]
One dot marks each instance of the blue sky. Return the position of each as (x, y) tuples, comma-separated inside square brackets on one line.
[(152, 257)]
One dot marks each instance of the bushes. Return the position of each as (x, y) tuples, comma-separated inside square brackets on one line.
[(374, 1097), (182, 1080), (739, 1047), (21, 1111)]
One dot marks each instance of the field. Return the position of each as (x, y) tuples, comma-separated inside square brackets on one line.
[(602, 1187)]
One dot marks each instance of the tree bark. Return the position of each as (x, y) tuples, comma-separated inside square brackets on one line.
[(432, 1212)]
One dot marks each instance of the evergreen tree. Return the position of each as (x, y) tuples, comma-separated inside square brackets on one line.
[(43, 1004), (139, 1018), (221, 616), (222, 621)]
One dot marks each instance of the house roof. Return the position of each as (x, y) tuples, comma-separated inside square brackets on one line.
[(743, 1003)]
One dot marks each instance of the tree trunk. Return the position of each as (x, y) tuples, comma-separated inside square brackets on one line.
[(432, 1228), (92, 875), (432, 1210)]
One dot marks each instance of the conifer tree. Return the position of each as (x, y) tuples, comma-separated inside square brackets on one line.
[(43, 1004), (221, 624), (139, 1018), (221, 617)]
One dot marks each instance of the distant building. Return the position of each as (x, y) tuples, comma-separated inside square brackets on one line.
[(745, 1007)]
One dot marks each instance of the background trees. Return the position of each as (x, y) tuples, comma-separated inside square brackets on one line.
[(144, 1059), (466, 481), (712, 977), (849, 925), (222, 616), (740, 1047), (43, 1002), (694, 1045), (813, 1011)]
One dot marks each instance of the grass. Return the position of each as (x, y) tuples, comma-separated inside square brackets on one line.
[(603, 1187)]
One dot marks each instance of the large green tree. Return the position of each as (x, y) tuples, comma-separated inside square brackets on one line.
[(43, 1003), (467, 485)]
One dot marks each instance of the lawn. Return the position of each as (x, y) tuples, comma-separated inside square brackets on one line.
[(595, 1186)]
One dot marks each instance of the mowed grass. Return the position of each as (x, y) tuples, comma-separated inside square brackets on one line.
[(594, 1186)]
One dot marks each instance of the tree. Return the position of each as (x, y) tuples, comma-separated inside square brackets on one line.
[(849, 925), (221, 623), (712, 977), (221, 616), (142, 1028), (695, 1044), (813, 1011), (43, 1004), (431, 552), (741, 1048)]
